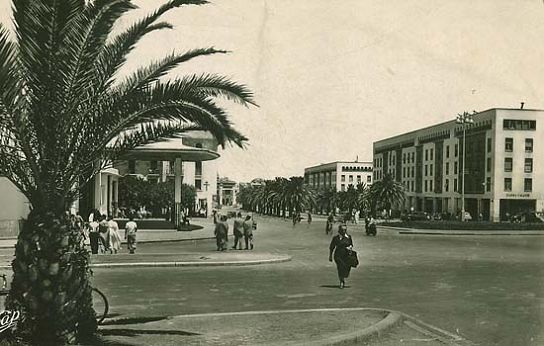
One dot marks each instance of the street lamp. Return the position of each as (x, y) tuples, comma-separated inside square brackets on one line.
[(464, 119), (206, 184)]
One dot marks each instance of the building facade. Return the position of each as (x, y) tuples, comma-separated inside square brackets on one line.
[(227, 191), (200, 174), (339, 175), (502, 177)]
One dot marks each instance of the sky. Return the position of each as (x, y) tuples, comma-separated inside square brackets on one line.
[(332, 77)]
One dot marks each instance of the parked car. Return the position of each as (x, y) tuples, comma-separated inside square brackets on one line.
[(468, 217), (416, 216), (526, 217)]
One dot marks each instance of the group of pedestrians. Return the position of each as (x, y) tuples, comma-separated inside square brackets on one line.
[(242, 230), (102, 233)]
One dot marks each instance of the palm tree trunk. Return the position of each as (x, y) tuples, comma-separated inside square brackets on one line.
[(51, 283)]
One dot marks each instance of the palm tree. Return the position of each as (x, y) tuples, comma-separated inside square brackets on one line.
[(298, 196), (349, 199), (64, 114), (364, 197), (327, 199), (387, 192)]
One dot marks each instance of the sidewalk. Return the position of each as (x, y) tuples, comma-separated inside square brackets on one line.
[(151, 236), (329, 326)]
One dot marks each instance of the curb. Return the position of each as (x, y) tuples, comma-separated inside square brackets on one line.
[(404, 230), (139, 242), (459, 233), (190, 264), (392, 319), (184, 264)]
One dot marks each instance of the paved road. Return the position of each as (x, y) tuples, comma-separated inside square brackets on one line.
[(488, 289)]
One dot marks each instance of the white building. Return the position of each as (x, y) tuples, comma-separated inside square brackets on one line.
[(339, 175)]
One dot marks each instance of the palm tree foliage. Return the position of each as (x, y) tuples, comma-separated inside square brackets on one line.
[(387, 192), (65, 113), (355, 198), (278, 197)]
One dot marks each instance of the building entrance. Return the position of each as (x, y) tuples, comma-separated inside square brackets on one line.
[(511, 207)]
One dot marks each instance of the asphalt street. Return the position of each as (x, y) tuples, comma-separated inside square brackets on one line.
[(488, 289)]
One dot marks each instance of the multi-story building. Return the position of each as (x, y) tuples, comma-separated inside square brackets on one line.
[(338, 175), (502, 176)]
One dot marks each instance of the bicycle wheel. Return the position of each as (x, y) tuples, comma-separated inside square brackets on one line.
[(100, 305)]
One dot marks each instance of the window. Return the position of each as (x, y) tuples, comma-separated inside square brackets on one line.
[(131, 166), (198, 168), (488, 165), (413, 175), (528, 185), (431, 170), (368, 179), (351, 178), (430, 185), (508, 164), (198, 184), (358, 179), (343, 187), (455, 185), (412, 186), (425, 170), (404, 158), (447, 185), (426, 154), (455, 168), (508, 144), (413, 157), (153, 165), (404, 172), (528, 145), (447, 168), (528, 166), (425, 185), (447, 151), (342, 178), (507, 184), (488, 184), (489, 145), (456, 150), (525, 125), (432, 152)]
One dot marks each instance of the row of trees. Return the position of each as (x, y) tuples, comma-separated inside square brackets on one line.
[(285, 197)]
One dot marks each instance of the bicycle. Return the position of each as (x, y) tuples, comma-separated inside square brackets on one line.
[(101, 305)]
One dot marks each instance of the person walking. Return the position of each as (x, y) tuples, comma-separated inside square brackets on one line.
[(357, 216), (248, 232), (341, 244), (104, 232), (93, 236), (115, 238), (238, 230), (330, 222), (130, 234), (221, 233), (309, 219)]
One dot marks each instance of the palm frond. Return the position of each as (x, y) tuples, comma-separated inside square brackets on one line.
[(113, 56), (153, 72)]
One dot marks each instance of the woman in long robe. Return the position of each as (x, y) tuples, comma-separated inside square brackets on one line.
[(341, 244)]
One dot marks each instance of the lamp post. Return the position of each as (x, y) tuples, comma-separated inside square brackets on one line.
[(464, 119)]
